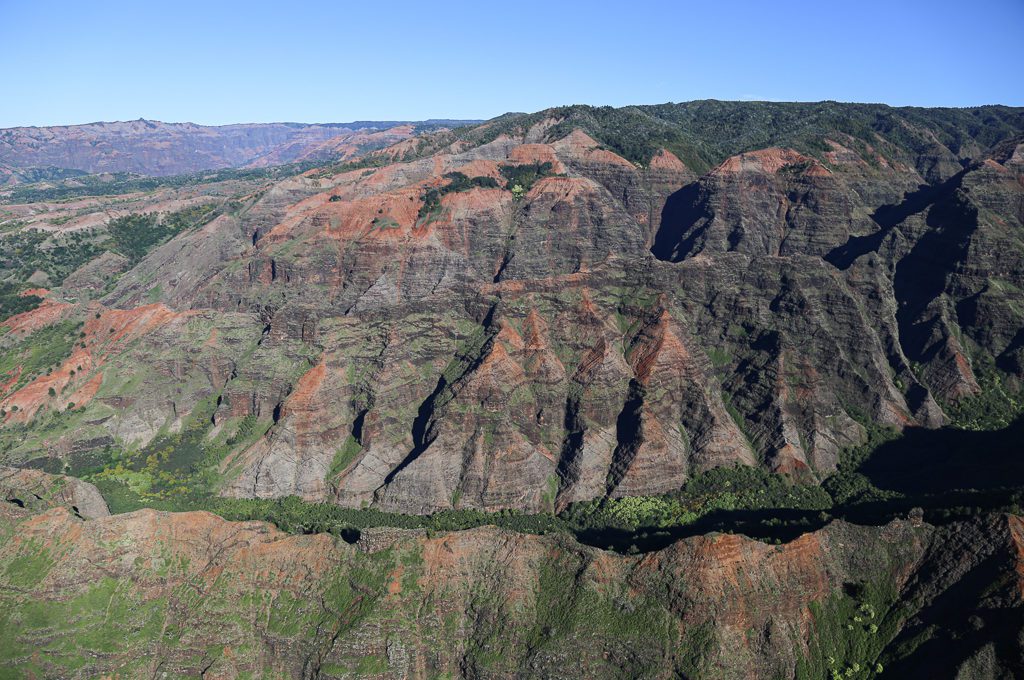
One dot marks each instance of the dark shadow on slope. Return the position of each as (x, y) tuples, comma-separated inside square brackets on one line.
[(959, 635), (922, 275), (357, 425), (936, 461), (682, 210), (423, 434), (629, 435), (782, 525), (1011, 359), (568, 467), (949, 474), (968, 597), (888, 216)]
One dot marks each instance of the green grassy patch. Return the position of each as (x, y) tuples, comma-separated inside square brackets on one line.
[(719, 357), (998, 403), (39, 353), (344, 456), (850, 631)]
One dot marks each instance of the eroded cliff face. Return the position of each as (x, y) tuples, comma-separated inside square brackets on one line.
[(184, 594), (28, 491), (534, 320)]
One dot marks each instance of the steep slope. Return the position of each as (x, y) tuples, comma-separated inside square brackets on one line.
[(35, 491), (189, 593), (516, 316), (704, 133)]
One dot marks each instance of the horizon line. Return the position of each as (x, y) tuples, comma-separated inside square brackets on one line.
[(392, 122)]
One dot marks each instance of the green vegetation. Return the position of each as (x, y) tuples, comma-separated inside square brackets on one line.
[(719, 489), (38, 353), (997, 404), (293, 515), (344, 456), (719, 357), (175, 470), (48, 174), (110, 617), (13, 302), (456, 182), (30, 568), (851, 630), (135, 235), (26, 252), (460, 182), (526, 175), (115, 184), (367, 162), (848, 484), (704, 133)]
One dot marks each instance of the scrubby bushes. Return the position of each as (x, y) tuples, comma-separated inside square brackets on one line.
[(721, 489), (526, 175), (135, 235), (457, 182), (12, 302)]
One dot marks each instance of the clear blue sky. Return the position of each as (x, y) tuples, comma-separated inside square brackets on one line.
[(313, 61)]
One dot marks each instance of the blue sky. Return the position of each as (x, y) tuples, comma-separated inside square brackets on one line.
[(222, 62)]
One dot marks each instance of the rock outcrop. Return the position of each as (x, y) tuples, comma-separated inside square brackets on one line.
[(34, 491), (192, 594), (523, 316)]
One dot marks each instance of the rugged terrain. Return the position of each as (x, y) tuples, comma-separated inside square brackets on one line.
[(511, 318), (149, 147), (186, 594), (581, 312)]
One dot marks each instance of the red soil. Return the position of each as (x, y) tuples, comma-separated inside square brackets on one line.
[(768, 161), (535, 153), (46, 314), (668, 161), (112, 330)]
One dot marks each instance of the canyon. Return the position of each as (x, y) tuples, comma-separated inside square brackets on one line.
[(541, 315)]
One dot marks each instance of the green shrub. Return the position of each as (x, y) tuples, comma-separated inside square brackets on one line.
[(525, 176), (457, 182)]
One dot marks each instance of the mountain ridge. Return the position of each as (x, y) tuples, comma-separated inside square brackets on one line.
[(514, 238), (751, 414), (186, 593), (157, 148)]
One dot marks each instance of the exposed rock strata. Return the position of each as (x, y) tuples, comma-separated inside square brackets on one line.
[(610, 332), (186, 594)]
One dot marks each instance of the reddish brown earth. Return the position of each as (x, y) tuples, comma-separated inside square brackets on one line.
[(103, 334), (617, 329), (368, 336), (186, 593)]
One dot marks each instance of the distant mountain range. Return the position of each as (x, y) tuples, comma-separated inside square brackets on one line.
[(150, 147)]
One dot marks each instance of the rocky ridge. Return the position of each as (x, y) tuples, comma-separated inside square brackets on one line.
[(526, 319), (189, 593), (150, 147)]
